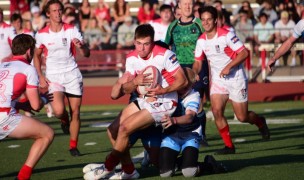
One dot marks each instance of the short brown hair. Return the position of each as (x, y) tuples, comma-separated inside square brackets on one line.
[(143, 31), (48, 4), (21, 43)]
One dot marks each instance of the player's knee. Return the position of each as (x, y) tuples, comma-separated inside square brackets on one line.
[(217, 112), (49, 134), (242, 118), (166, 174), (124, 130), (190, 171)]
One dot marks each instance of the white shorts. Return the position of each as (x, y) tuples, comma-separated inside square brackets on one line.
[(236, 90), (157, 109), (68, 82), (8, 122)]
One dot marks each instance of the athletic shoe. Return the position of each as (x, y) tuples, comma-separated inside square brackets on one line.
[(97, 173), (75, 152), (264, 130), (146, 160), (65, 126), (123, 175), (49, 110), (90, 167), (225, 150), (214, 166)]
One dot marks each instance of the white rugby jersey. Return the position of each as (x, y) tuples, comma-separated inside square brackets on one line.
[(220, 51), (16, 76), (160, 30), (298, 30), (58, 48), (163, 59), (7, 34)]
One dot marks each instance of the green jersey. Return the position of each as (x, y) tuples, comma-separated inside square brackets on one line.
[(182, 38)]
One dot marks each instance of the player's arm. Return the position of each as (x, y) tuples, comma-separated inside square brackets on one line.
[(240, 58), (281, 51), (43, 82), (83, 48), (168, 121), (34, 98), (117, 89), (139, 80)]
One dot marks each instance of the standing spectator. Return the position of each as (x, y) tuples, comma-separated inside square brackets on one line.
[(38, 20), (121, 10), (243, 27), (262, 33), (102, 14), (126, 34), (17, 23), (218, 4), (62, 76), (84, 14), (7, 34), (13, 124), (283, 30), (182, 35), (161, 24), (228, 79), (145, 13)]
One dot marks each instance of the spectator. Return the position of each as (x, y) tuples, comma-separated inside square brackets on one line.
[(246, 7), (69, 15), (283, 30), (84, 14), (172, 3), (267, 8), (7, 34), (21, 7), (262, 33), (292, 11), (221, 21), (145, 13), (93, 35), (177, 12), (38, 20), (126, 34), (218, 4), (17, 23), (243, 27), (102, 14), (197, 5), (161, 24), (121, 10)]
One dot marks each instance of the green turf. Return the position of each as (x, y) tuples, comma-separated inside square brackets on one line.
[(280, 158)]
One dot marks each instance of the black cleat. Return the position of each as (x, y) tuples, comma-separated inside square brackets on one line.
[(225, 150), (214, 167), (74, 152), (65, 126), (264, 130)]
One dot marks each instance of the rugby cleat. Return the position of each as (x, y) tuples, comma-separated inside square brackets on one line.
[(74, 152), (264, 130), (214, 166), (225, 150), (90, 167), (123, 175), (97, 173)]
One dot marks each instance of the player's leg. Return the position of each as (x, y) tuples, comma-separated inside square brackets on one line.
[(29, 128), (218, 104)]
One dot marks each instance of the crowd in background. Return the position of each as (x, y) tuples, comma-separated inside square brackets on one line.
[(112, 27)]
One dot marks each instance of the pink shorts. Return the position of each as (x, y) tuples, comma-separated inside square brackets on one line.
[(236, 90)]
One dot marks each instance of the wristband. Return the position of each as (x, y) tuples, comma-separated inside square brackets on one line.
[(44, 100)]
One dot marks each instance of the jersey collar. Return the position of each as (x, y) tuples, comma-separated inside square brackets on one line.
[(20, 58)]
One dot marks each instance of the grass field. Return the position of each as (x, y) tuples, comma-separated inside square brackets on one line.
[(280, 158)]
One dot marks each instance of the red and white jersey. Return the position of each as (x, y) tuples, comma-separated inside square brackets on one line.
[(7, 34), (29, 32), (15, 77), (298, 30), (160, 30), (58, 48), (220, 51), (163, 59)]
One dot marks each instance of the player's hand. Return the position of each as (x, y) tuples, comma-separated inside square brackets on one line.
[(197, 78), (43, 82), (224, 73), (78, 43), (270, 64), (166, 121), (47, 97), (158, 90), (143, 80), (25, 106), (126, 77)]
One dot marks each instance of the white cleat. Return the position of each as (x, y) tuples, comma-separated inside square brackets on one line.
[(123, 175), (97, 173), (90, 167)]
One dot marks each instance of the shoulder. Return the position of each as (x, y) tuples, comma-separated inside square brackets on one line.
[(44, 30)]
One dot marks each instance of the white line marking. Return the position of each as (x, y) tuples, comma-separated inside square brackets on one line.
[(90, 143), (13, 146), (274, 121)]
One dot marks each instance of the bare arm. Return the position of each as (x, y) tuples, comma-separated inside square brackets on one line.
[(240, 58), (117, 90), (83, 48), (43, 82), (168, 121)]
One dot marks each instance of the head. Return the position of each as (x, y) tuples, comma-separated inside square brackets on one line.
[(246, 5), (128, 20), (54, 10), (24, 44), (144, 40), (16, 21), (197, 5), (190, 75), (186, 7), (177, 12), (220, 19), (166, 13), (35, 11), (209, 17), (243, 14), (263, 18), (218, 5), (284, 16)]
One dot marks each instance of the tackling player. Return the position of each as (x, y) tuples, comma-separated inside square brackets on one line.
[(58, 41), (226, 53)]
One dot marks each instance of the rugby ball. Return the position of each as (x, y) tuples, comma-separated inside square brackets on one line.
[(154, 74)]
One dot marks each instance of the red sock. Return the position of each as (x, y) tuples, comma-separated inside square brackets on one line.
[(258, 122), (128, 168), (73, 144), (25, 172), (111, 161), (226, 136)]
